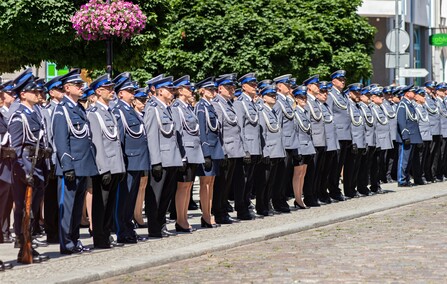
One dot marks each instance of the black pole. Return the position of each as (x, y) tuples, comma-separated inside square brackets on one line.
[(109, 47)]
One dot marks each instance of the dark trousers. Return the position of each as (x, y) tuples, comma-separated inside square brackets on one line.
[(266, 177), (283, 181), (103, 206), (5, 189), (51, 209), (391, 157), (242, 197), (18, 194), (334, 174), (71, 200), (442, 167), (319, 159), (126, 196), (157, 198), (376, 161), (418, 162), (224, 182), (403, 164), (363, 178), (434, 156), (351, 171), (330, 162)]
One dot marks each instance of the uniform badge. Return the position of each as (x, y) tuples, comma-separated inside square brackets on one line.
[(27, 111), (70, 105), (126, 107)]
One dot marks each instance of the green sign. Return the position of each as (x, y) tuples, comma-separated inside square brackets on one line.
[(438, 40), (53, 71)]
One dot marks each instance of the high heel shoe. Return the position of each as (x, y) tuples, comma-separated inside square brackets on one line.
[(180, 229), (90, 232), (138, 225), (204, 224), (299, 206)]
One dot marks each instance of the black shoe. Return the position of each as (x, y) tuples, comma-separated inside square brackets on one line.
[(156, 235), (165, 232), (421, 182), (75, 250), (35, 258), (226, 220), (390, 180), (192, 205), (102, 245), (5, 266), (296, 205), (265, 213), (128, 240), (339, 197), (180, 229), (138, 225), (8, 239), (283, 209), (39, 243), (140, 238), (246, 216), (204, 224), (406, 184), (251, 206), (325, 200)]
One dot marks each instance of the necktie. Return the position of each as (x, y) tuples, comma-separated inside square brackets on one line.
[(168, 108)]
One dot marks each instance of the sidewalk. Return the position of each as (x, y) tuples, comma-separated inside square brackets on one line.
[(102, 264)]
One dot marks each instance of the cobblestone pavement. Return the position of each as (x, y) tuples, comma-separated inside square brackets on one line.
[(403, 245), (103, 264)]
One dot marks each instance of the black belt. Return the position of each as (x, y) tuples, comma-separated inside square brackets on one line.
[(7, 153), (42, 153)]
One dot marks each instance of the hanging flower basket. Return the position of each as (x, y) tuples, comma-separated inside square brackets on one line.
[(98, 20)]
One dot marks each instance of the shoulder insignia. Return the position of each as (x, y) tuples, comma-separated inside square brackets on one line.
[(62, 104), (126, 107), (58, 112), (240, 98), (70, 105), (93, 109), (47, 106), (27, 111), (16, 118), (176, 104), (153, 104)]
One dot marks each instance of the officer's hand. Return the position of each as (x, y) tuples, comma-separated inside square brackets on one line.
[(247, 158), (366, 150), (70, 175), (407, 142), (183, 167), (354, 149), (29, 180), (420, 145), (224, 162), (157, 172), (266, 160), (208, 163), (48, 152), (106, 178)]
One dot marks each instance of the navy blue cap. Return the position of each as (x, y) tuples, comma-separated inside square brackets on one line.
[(156, 78), (121, 78), (141, 93), (7, 86), (124, 84), (86, 92), (355, 87), (226, 79), (206, 83), (25, 75), (283, 79), (365, 91), (420, 91), (430, 84), (300, 91), (338, 74), (264, 83), (388, 89), (40, 82), (182, 82), (376, 91), (397, 90), (268, 90), (53, 83), (312, 80), (26, 85), (405, 89), (441, 86), (165, 82), (247, 78), (292, 82), (237, 92), (325, 86), (101, 81), (74, 77)]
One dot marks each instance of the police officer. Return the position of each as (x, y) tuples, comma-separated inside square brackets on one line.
[(75, 159), (421, 153), (358, 145), (248, 120), (332, 145), (55, 90), (434, 117), (338, 104), (232, 143), (190, 147), (312, 180), (389, 107), (109, 161), (273, 150), (136, 158), (370, 140), (383, 141), (408, 134), (442, 106), (306, 147), (165, 156), (286, 116), (26, 130)]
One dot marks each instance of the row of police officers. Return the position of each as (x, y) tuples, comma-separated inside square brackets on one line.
[(270, 138)]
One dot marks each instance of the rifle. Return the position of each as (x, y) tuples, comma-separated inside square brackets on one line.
[(27, 252)]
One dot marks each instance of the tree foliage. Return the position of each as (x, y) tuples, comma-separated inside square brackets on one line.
[(199, 38)]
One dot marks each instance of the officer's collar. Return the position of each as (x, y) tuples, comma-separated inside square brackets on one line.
[(247, 96), (125, 103), (300, 108), (101, 104), (282, 95), (267, 107), (5, 108), (311, 96), (30, 109), (182, 102), (159, 101), (70, 99)]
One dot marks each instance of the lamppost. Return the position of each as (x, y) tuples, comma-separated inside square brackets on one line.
[(109, 47)]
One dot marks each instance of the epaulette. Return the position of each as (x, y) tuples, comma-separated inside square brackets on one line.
[(47, 106), (93, 109), (216, 100), (176, 104), (260, 108), (240, 98), (62, 103), (153, 104)]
